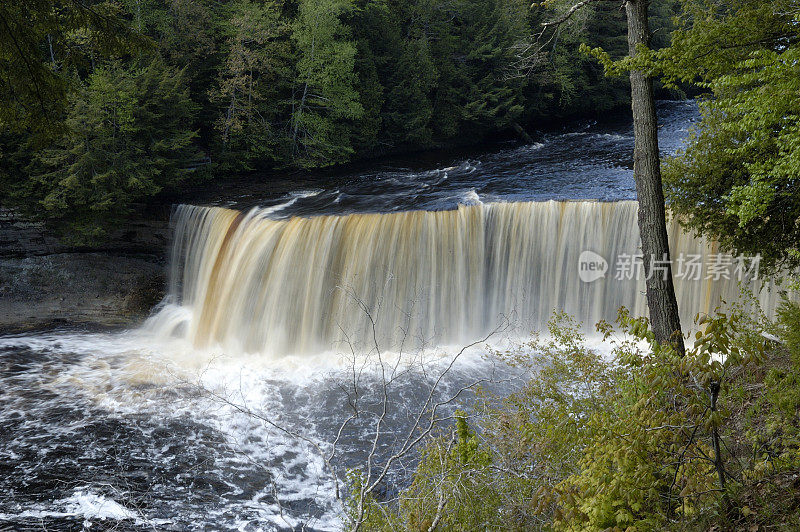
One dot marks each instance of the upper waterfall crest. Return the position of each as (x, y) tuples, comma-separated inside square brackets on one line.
[(417, 278)]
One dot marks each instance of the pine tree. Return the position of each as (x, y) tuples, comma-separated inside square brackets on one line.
[(41, 42), (249, 85), (128, 138), (325, 97)]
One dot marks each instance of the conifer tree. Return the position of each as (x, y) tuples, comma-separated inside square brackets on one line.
[(325, 95), (128, 137)]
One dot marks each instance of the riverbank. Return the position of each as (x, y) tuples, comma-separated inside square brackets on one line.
[(105, 289), (44, 282)]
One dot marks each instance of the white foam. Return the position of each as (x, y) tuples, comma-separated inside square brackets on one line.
[(300, 194), (306, 193), (80, 504), (609, 136), (285, 390), (95, 506), (533, 147), (470, 197)]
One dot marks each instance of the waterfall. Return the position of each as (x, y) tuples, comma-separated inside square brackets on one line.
[(254, 284)]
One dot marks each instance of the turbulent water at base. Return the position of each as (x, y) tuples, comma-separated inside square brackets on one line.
[(118, 431), (151, 428), (256, 285)]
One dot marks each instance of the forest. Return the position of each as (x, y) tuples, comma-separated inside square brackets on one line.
[(112, 103)]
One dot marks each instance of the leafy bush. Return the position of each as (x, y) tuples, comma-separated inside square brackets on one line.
[(775, 415), (736, 181), (660, 456), (638, 440)]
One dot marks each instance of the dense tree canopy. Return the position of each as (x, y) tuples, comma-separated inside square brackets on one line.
[(41, 42), (263, 84), (738, 178), (128, 136)]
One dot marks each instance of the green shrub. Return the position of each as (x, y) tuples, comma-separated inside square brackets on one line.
[(774, 417), (659, 455), (638, 440)]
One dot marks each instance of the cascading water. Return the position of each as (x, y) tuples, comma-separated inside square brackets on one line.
[(253, 284)]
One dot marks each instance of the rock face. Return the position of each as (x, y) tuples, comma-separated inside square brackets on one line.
[(98, 288), (147, 234), (44, 282)]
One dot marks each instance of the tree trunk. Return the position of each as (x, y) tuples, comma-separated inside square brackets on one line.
[(647, 172), (521, 132)]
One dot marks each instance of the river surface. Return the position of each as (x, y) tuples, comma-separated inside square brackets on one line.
[(121, 430), (586, 161)]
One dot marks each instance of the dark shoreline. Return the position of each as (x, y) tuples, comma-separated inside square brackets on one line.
[(98, 288), (45, 283)]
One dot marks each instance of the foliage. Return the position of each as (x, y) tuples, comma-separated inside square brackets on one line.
[(325, 94), (290, 83), (640, 440), (248, 83), (777, 439), (452, 468), (128, 137), (659, 456), (40, 43), (737, 180)]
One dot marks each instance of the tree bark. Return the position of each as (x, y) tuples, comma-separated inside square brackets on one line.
[(661, 299)]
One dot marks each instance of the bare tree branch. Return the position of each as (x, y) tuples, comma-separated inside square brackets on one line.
[(568, 14)]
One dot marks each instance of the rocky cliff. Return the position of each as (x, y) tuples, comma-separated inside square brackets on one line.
[(44, 282)]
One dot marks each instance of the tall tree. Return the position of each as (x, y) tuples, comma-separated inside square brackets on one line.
[(661, 300), (249, 82), (40, 43), (325, 92), (128, 138), (409, 104)]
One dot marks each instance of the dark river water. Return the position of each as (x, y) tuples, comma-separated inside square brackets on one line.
[(115, 430), (584, 161)]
